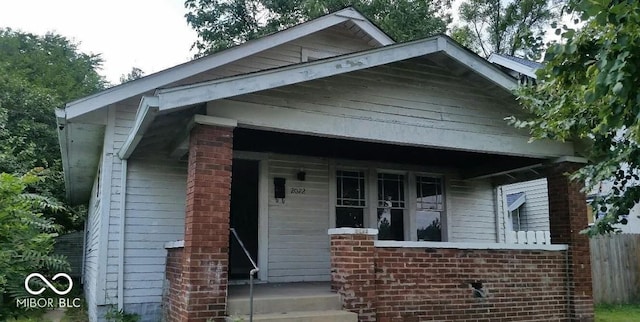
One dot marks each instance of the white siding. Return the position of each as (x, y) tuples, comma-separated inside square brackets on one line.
[(92, 244), (536, 206), (155, 202), (298, 239), (471, 213)]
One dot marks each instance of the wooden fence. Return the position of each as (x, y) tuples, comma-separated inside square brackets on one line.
[(615, 267)]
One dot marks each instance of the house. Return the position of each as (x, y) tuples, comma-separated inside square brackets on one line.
[(525, 71), (346, 163)]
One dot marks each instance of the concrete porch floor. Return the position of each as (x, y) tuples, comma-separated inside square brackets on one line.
[(269, 290)]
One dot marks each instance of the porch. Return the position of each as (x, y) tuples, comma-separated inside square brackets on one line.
[(208, 262)]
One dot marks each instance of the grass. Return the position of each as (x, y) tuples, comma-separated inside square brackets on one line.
[(618, 313)]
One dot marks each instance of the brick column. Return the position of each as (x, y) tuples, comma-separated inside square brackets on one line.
[(206, 238), (567, 217), (353, 270)]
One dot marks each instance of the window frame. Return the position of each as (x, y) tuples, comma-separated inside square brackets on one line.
[(370, 217)]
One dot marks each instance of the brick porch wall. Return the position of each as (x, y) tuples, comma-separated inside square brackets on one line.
[(421, 283), (172, 305)]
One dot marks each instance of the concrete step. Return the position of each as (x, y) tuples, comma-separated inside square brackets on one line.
[(303, 316), (284, 304)]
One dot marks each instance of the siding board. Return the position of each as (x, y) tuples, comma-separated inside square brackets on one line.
[(299, 226)]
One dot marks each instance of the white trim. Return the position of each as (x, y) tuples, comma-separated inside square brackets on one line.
[(121, 227), (353, 231), (371, 210), (333, 193), (171, 98), (147, 112), (448, 245), (64, 149), (411, 201), (513, 65), (519, 202), (263, 219), (174, 244), (174, 74), (105, 207), (571, 159), (213, 121)]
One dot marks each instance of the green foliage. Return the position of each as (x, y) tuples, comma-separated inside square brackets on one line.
[(37, 75), (506, 27), (588, 91), (224, 23), (134, 74), (26, 238), (115, 315)]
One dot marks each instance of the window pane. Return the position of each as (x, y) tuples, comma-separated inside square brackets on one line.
[(429, 225), (390, 224), (390, 190), (429, 193), (349, 217), (350, 188)]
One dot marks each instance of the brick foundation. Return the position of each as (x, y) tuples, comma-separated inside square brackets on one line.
[(202, 294), (567, 217)]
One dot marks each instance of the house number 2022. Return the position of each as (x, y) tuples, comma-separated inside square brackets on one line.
[(297, 191)]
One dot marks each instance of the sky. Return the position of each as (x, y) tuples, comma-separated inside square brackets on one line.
[(148, 34)]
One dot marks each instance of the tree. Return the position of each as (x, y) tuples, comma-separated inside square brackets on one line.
[(26, 238), (37, 75), (588, 91), (224, 23), (134, 74), (512, 27)]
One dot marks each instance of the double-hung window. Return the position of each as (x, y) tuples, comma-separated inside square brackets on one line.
[(401, 205), (429, 208), (391, 204), (351, 198)]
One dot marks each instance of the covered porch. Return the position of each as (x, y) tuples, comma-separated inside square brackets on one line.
[(389, 139)]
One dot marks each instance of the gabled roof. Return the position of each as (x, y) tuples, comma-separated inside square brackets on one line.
[(171, 75), (517, 64), (262, 80)]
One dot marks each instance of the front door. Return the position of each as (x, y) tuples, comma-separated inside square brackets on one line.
[(244, 217)]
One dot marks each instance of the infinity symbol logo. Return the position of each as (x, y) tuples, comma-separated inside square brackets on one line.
[(44, 279)]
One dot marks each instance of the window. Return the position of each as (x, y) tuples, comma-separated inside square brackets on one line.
[(351, 198), (516, 206), (391, 204), (429, 208)]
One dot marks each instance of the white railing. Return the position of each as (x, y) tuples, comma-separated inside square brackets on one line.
[(529, 237)]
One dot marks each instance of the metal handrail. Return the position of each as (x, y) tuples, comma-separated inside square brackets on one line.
[(251, 273)]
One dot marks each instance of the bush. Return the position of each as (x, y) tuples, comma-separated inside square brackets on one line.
[(26, 238)]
